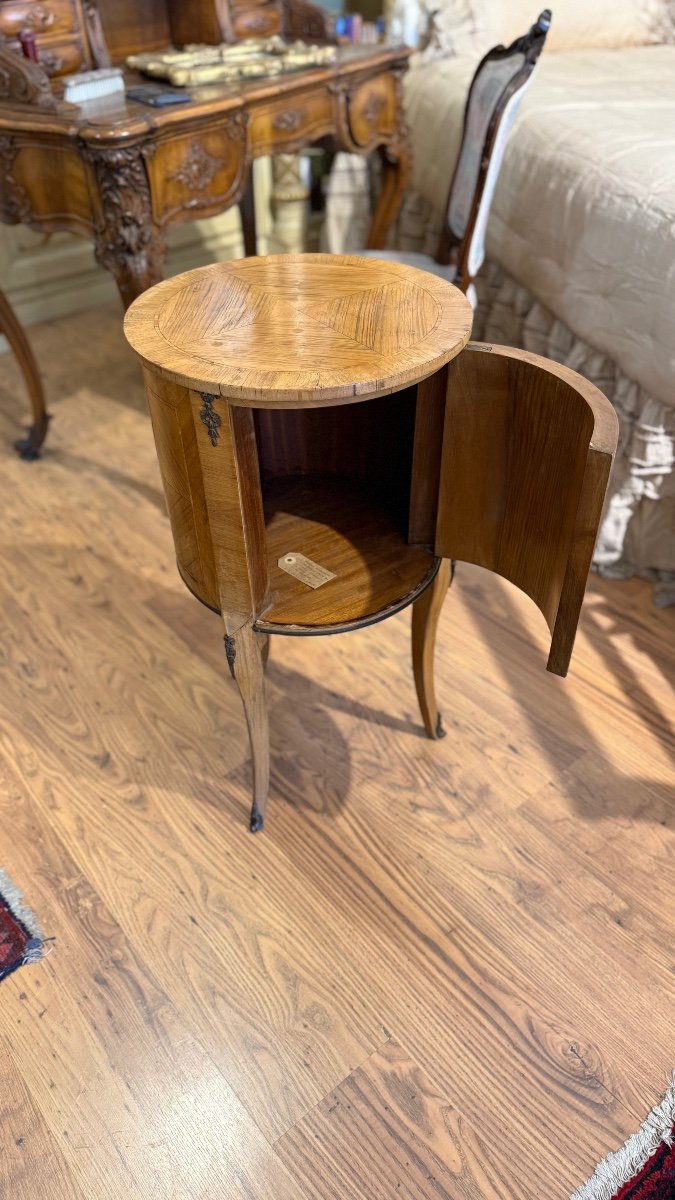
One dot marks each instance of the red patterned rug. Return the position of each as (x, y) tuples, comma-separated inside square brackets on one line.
[(644, 1167), (20, 939)]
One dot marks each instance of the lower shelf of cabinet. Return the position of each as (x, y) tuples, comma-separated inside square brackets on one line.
[(348, 531)]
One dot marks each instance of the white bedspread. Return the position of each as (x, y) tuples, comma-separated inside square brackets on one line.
[(584, 213)]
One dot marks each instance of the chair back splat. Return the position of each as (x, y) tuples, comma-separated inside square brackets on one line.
[(496, 92)]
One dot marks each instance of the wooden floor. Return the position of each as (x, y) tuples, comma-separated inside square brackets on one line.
[(444, 970)]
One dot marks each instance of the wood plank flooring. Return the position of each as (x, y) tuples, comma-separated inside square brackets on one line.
[(445, 970)]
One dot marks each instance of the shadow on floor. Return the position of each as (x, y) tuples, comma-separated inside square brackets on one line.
[(622, 795)]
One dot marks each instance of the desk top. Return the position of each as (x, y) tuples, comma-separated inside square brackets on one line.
[(299, 330), (118, 119)]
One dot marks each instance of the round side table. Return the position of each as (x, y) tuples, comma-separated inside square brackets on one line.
[(319, 470)]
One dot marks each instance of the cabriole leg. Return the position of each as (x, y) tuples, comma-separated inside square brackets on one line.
[(245, 650), (127, 243), (425, 614), (247, 214), (395, 173), (29, 446)]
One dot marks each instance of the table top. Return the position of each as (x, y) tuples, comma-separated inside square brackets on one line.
[(122, 119), (299, 330)]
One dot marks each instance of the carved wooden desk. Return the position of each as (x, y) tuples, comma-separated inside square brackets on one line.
[(124, 176), (328, 446)]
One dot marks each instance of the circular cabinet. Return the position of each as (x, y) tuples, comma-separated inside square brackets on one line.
[(324, 459)]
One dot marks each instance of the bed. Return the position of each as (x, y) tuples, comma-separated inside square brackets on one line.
[(580, 249)]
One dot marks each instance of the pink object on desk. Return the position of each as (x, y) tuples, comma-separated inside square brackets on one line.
[(28, 43)]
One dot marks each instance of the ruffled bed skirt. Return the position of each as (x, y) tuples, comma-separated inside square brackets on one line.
[(637, 535)]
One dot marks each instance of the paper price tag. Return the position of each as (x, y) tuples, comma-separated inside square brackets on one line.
[(304, 569)]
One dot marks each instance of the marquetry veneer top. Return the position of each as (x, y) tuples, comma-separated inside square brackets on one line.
[(296, 330)]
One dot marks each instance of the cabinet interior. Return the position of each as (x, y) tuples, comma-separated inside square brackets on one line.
[(336, 488)]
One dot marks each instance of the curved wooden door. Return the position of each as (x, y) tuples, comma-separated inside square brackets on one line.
[(527, 450)]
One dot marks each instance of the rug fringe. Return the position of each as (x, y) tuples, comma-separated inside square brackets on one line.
[(15, 902), (621, 1165)]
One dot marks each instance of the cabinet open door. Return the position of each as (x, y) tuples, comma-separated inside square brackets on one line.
[(526, 454)]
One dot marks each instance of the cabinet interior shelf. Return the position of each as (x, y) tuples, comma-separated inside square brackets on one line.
[(350, 531)]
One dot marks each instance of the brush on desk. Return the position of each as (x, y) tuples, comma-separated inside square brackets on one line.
[(93, 85)]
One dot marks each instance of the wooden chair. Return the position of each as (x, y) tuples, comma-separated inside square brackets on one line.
[(494, 97), (29, 446)]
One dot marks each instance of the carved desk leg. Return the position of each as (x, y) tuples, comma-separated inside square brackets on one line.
[(247, 214), (28, 446), (395, 173), (425, 614), (128, 244), (134, 272)]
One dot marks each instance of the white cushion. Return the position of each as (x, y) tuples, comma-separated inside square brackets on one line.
[(455, 27), (422, 261), (472, 27), (580, 24)]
